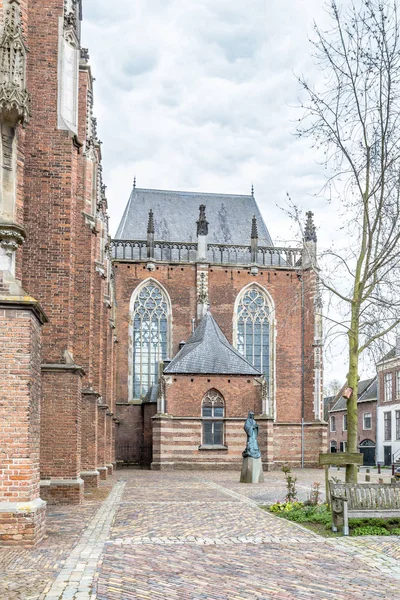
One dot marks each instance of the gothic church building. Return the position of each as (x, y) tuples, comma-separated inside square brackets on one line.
[(214, 321)]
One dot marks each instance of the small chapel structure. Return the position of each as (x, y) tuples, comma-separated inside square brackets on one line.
[(213, 321)]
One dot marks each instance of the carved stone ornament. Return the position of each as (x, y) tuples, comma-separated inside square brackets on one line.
[(202, 223), (72, 16), (310, 232), (11, 237), (202, 297), (14, 97)]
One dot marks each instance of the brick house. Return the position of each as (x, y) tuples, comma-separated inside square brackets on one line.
[(265, 306), (57, 332), (388, 411), (367, 421)]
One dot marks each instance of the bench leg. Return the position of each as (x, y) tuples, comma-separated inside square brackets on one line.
[(345, 519), (334, 522)]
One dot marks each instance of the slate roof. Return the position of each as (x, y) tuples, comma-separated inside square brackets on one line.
[(176, 213), (367, 391), (208, 352)]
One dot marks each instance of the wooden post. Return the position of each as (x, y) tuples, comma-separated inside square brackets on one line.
[(328, 498), (339, 459)]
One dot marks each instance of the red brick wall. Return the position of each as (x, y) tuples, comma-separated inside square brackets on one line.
[(89, 431), (224, 286), (60, 449), (185, 394), (20, 392), (51, 178)]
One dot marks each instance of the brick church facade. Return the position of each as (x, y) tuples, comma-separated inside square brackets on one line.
[(181, 259), (155, 344), (57, 332)]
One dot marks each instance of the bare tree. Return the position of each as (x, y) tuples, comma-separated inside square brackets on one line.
[(353, 115)]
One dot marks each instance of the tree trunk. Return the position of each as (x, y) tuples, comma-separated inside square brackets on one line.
[(352, 409)]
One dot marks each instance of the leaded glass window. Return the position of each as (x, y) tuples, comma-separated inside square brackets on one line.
[(213, 412), (150, 332), (253, 329)]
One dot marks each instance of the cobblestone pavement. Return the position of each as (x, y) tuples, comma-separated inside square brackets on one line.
[(193, 535)]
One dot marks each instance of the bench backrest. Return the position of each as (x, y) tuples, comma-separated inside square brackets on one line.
[(370, 496)]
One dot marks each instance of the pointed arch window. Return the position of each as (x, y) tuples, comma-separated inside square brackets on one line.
[(253, 329), (150, 337), (212, 413)]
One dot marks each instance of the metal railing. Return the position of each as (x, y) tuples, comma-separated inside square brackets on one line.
[(218, 254)]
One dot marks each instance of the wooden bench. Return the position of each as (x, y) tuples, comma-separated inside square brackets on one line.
[(360, 500)]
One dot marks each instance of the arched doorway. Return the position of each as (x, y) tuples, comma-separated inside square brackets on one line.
[(368, 448)]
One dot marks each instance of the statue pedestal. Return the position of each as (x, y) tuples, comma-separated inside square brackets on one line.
[(252, 471)]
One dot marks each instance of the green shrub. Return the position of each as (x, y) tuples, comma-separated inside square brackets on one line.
[(394, 520), (395, 531), (369, 530), (373, 522)]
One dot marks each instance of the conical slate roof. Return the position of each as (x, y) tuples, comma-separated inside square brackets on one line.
[(208, 352), (176, 213)]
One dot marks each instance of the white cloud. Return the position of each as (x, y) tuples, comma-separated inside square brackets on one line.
[(199, 95)]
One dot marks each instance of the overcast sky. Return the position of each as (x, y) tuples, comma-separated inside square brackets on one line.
[(200, 95)]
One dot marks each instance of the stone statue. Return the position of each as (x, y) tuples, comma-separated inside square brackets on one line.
[(251, 428)]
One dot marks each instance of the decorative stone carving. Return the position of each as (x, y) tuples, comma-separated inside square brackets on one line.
[(310, 232), (202, 223), (202, 297), (14, 97), (72, 17), (11, 237)]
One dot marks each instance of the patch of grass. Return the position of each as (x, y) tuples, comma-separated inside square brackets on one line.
[(318, 519), (369, 530)]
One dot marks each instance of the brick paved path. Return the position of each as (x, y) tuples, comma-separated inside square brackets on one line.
[(194, 536)]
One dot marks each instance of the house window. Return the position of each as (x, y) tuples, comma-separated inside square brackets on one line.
[(387, 426), (367, 421), (397, 424), (333, 423), (333, 446), (343, 446), (387, 387), (398, 385), (213, 412), (253, 329), (149, 337), (345, 422)]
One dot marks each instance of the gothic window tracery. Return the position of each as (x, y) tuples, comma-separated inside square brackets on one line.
[(213, 412), (253, 329), (150, 337)]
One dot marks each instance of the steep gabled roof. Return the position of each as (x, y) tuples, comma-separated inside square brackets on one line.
[(176, 213), (208, 352), (367, 391)]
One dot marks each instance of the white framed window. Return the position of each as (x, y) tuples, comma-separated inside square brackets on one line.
[(367, 421), (150, 326), (212, 414), (345, 422), (387, 422), (333, 446), (343, 446), (387, 387), (397, 385), (333, 423), (397, 424)]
